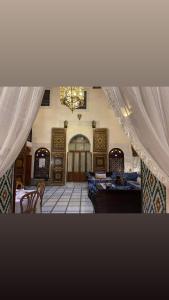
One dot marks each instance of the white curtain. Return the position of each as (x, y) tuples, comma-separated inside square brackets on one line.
[(144, 115), (18, 109)]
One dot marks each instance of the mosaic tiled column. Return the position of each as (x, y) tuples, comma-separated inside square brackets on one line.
[(6, 192), (153, 192)]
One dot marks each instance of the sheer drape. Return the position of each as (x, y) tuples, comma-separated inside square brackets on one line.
[(18, 109), (144, 114)]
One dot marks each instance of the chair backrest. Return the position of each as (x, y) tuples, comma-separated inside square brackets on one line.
[(41, 189), (29, 201)]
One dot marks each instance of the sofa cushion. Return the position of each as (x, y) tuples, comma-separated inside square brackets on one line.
[(131, 176), (122, 187), (114, 175), (134, 184), (100, 175), (139, 179)]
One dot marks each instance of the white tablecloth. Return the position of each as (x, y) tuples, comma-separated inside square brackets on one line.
[(19, 194)]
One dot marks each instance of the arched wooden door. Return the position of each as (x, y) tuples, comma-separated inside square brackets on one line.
[(116, 160), (42, 163), (79, 159)]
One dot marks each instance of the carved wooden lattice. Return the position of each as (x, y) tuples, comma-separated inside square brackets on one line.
[(100, 142), (99, 162), (116, 160), (58, 155), (58, 140)]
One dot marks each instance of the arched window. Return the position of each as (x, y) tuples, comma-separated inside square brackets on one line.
[(79, 143), (116, 160), (42, 163)]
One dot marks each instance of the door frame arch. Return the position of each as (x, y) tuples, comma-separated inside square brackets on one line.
[(74, 175), (118, 154), (36, 161)]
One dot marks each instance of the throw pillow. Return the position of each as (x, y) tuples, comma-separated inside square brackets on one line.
[(100, 175)]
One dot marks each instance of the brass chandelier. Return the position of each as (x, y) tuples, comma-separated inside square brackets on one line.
[(72, 96)]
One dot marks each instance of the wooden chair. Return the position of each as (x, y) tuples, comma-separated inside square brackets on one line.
[(30, 199), (41, 190)]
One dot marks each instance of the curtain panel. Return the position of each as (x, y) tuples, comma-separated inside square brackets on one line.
[(18, 109), (143, 112)]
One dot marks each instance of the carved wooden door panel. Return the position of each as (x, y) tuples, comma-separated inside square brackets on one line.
[(78, 164), (116, 160), (58, 155), (58, 168), (42, 163), (100, 145)]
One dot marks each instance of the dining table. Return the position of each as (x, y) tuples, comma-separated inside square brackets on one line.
[(18, 195)]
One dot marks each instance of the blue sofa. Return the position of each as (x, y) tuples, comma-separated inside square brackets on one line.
[(130, 179)]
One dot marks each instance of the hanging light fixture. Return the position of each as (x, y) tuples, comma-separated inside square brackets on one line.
[(72, 96)]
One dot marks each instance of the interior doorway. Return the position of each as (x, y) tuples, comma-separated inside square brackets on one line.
[(116, 160), (79, 159), (42, 163)]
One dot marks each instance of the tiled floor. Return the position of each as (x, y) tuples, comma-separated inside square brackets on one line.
[(69, 199)]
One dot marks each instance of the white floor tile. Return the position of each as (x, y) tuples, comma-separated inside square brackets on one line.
[(58, 212), (75, 200), (72, 198), (62, 203), (46, 209), (73, 209), (86, 209), (72, 204), (72, 212), (48, 205), (59, 209)]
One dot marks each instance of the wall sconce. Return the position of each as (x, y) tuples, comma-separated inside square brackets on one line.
[(65, 124), (79, 116), (126, 111), (93, 124)]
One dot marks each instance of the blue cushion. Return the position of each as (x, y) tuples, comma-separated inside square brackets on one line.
[(93, 180), (121, 187), (135, 185), (131, 176), (124, 188), (115, 174)]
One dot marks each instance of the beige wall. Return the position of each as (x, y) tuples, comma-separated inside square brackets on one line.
[(98, 109)]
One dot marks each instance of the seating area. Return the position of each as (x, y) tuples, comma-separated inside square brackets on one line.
[(129, 180), (104, 192), (101, 194), (115, 192)]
